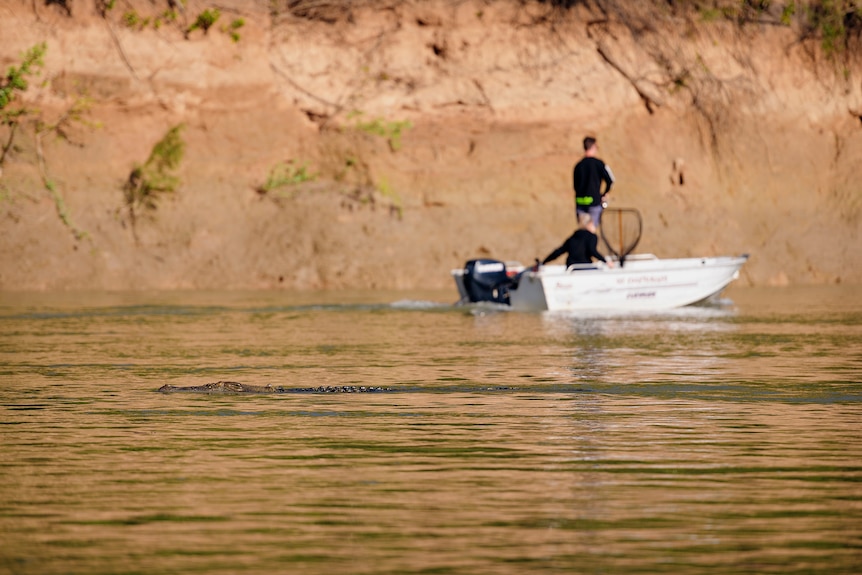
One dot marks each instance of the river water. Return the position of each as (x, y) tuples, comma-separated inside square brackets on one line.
[(716, 439)]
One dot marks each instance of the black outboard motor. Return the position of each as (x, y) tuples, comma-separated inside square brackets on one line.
[(487, 280)]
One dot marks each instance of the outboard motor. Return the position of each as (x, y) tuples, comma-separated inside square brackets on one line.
[(487, 280)]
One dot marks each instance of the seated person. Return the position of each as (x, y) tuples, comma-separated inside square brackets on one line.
[(581, 245)]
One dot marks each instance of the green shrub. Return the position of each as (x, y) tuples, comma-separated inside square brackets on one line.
[(147, 182), (390, 130), (286, 174), (105, 6), (131, 19), (205, 20), (833, 21), (787, 13), (232, 30), (11, 84), (16, 78)]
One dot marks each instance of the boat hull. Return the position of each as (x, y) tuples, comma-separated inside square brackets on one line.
[(643, 283)]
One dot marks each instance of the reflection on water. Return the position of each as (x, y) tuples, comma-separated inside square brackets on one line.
[(717, 439)]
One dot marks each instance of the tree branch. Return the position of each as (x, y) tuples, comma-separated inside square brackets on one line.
[(120, 49)]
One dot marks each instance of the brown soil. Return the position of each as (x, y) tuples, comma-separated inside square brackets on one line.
[(728, 138)]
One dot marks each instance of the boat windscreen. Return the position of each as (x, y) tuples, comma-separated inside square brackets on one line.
[(621, 230)]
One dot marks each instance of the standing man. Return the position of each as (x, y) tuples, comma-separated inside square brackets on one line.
[(587, 179)]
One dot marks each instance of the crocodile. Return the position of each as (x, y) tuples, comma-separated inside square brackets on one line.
[(237, 387)]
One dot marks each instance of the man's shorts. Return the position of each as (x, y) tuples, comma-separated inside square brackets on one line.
[(595, 213)]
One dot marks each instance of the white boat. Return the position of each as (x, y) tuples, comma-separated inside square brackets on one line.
[(645, 282), (633, 282)]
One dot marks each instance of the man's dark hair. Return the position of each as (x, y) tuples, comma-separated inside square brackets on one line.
[(589, 143)]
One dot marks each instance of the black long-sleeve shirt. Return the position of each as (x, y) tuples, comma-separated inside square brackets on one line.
[(587, 178), (581, 247)]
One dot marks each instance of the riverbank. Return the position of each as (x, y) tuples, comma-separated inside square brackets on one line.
[(412, 136)]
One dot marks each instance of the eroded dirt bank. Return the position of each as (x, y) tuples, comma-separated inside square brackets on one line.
[(727, 138)]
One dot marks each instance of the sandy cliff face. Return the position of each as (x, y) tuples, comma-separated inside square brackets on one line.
[(727, 138)]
